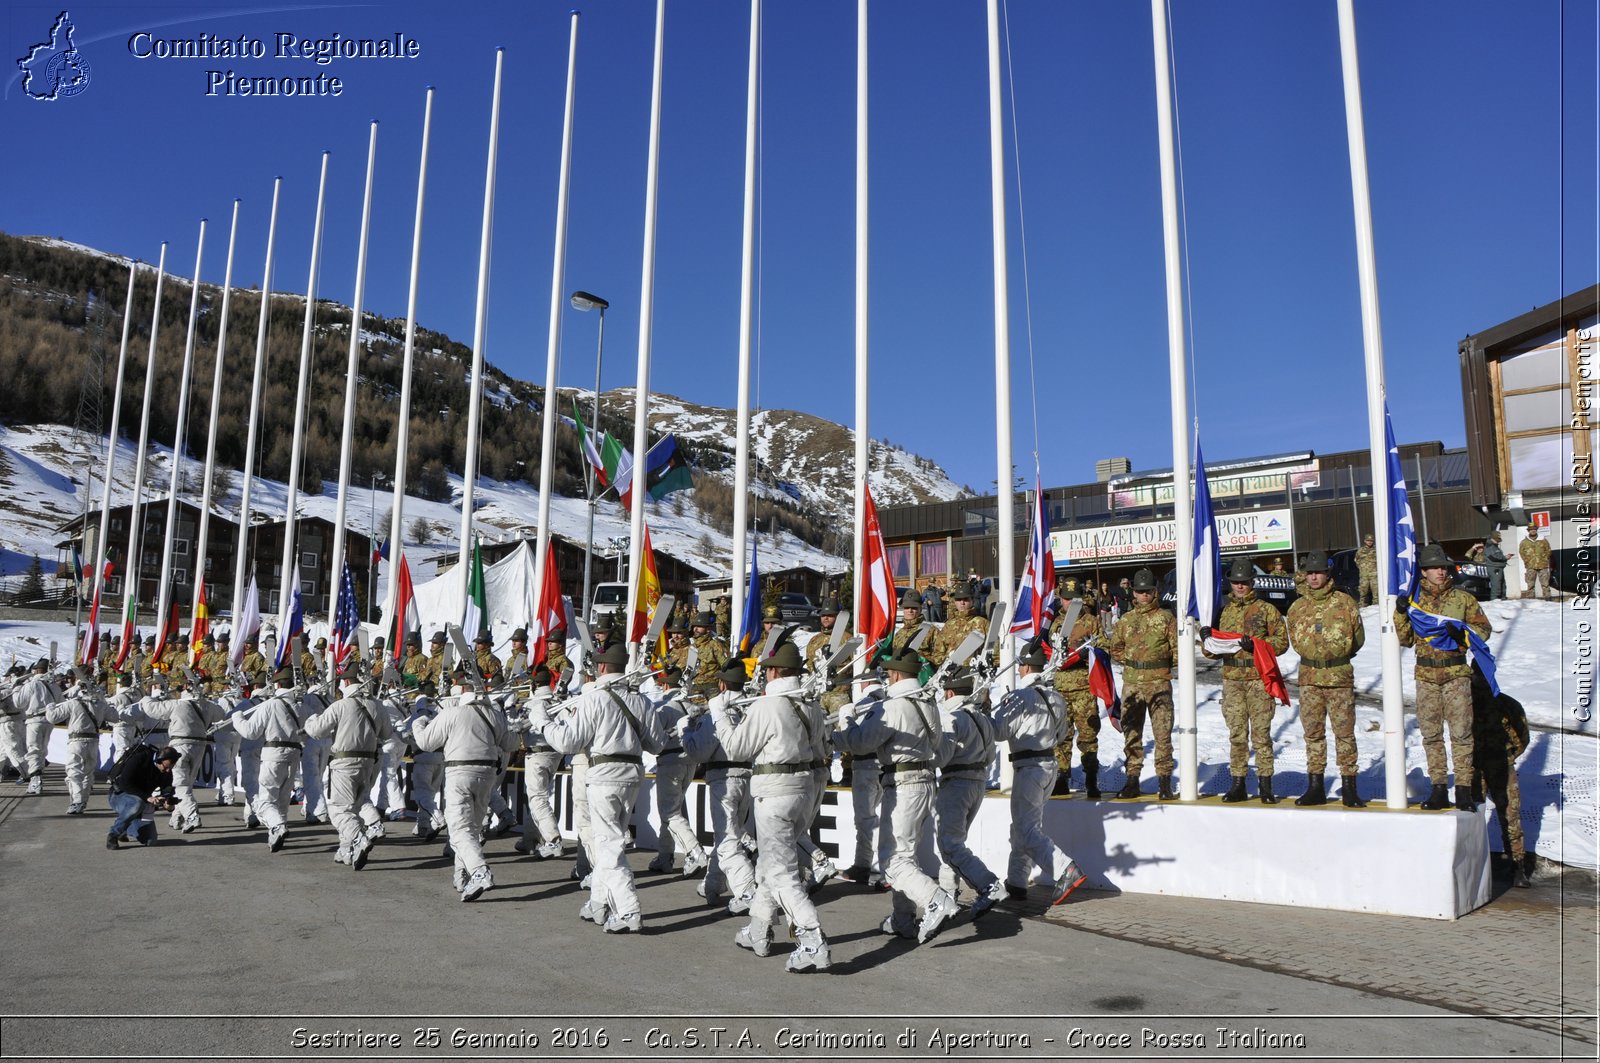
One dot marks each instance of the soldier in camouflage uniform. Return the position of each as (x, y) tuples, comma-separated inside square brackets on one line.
[(516, 662), (375, 668), (1367, 566), (1325, 629), (1535, 554), (213, 665), (1246, 706), (1083, 711), (555, 653), (105, 664), (413, 665), (483, 651), (677, 644), (168, 657), (1145, 643), (1500, 734), (910, 624), (771, 617), (724, 618), (1444, 677), (434, 667), (253, 664), (817, 652), (713, 654), (311, 663), (959, 626)]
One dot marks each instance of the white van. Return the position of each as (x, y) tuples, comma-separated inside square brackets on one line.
[(610, 599)]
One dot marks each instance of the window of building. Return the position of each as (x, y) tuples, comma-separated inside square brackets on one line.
[(309, 559), (899, 561), (180, 547), (933, 559)]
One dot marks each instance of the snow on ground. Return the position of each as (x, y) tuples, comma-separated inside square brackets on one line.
[(1557, 773)]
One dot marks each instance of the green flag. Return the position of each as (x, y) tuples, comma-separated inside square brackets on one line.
[(476, 621)]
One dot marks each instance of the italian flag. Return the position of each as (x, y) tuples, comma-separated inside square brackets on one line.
[(129, 628), (476, 620)]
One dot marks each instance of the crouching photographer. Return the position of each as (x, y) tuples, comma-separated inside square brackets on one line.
[(142, 772)]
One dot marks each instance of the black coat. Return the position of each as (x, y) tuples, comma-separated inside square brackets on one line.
[(138, 774)]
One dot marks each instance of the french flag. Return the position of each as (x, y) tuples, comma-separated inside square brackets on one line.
[(1036, 595)]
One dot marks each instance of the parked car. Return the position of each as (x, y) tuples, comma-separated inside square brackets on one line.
[(1473, 577), (610, 599), (796, 608), (1568, 575), (1279, 590)]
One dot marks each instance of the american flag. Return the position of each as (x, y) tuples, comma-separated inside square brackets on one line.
[(1036, 595), (1402, 532), (345, 619)]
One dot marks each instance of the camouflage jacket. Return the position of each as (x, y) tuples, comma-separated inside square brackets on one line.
[(214, 667), (310, 668), (931, 651), (254, 667), (516, 663), (1145, 643), (1087, 626), (1535, 553), (1445, 601), (1367, 560), (1258, 619), (556, 660), (957, 628), (414, 665), (1325, 627), (488, 664), (713, 655), (817, 650)]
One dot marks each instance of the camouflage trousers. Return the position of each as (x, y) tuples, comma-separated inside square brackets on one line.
[(1439, 704), (1083, 721), (1539, 577), (1368, 591), (1499, 778), (1319, 707), (1156, 703), (1247, 709)]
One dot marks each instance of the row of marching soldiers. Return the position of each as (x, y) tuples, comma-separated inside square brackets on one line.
[(760, 736)]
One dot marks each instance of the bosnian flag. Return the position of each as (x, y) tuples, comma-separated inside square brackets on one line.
[(291, 621), (246, 625), (1227, 643), (1036, 595), (1402, 530), (875, 596), (1205, 589)]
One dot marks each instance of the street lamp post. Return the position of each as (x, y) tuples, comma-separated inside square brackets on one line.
[(586, 301)]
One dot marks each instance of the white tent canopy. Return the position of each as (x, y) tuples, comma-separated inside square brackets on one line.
[(508, 589)]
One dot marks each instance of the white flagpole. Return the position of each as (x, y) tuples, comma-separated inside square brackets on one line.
[(1394, 742), (164, 591), (203, 535), (1182, 489), (741, 467), (469, 475), (558, 280), (352, 375), (98, 554), (1005, 498), (403, 424), (297, 448), (863, 439), (130, 588), (241, 547), (641, 403)]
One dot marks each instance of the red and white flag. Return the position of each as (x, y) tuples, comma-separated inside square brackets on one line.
[(1223, 643), (548, 614), (875, 598), (405, 611)]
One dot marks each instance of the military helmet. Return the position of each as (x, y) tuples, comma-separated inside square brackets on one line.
[(706, 619), (1143, 580), (1317, 561), (906, 661), (771, 614), (483, 639), (733, 673), (322, 644), (1433, 556), (676, 627), (42, 664), (670, 676), (558, 635), (414, 639), (283, 676), (911, 600), (222, 640), (428, 688), (438, 639), (961, 593), (541, 675), (105, 636), (1241, 571), (606, 623), (785, 655), (520, 635), (959, 680), (830, 607), (1069, 587), (615, 655), (1368, 539), (1031, 655)]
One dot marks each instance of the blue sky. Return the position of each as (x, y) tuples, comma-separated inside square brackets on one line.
[(1481, 125)]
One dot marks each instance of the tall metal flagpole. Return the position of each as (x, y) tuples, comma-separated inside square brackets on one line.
[(130, 595), (1006, 576), (97, 555), (241, 547), (352, 375), (1394, 750), (203, 535), (647, 280), (164, 590), (1183, 491), (741, 467), (558, 282), (403, 415), (469, 474), (863, 439), (297, 441)]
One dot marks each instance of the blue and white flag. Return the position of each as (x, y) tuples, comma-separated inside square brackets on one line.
[(1402, 532), (1205, 589), (291, 620)]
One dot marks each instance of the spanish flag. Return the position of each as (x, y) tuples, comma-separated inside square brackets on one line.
[(649, 595), (201, 624)]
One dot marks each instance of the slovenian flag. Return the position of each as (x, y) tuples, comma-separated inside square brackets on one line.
[(1227, 643), (1205, 589), (291, 621)]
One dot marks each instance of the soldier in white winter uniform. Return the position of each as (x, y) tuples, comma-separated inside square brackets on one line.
[(84, 711), (674, 769), (961, 787), (427, 767), (540, 832), (33, 698), (188, 719), (13, 727), (355, 727), (728, 786), (275, 723)]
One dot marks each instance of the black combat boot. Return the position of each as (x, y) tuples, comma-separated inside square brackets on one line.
[(1267, 796), (1316, 792), (1091, 776), (1439, 798), (1235, 792), (1464, 801), (1348, 792), (1130, 789), (1063, 785), (1164, 788)]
